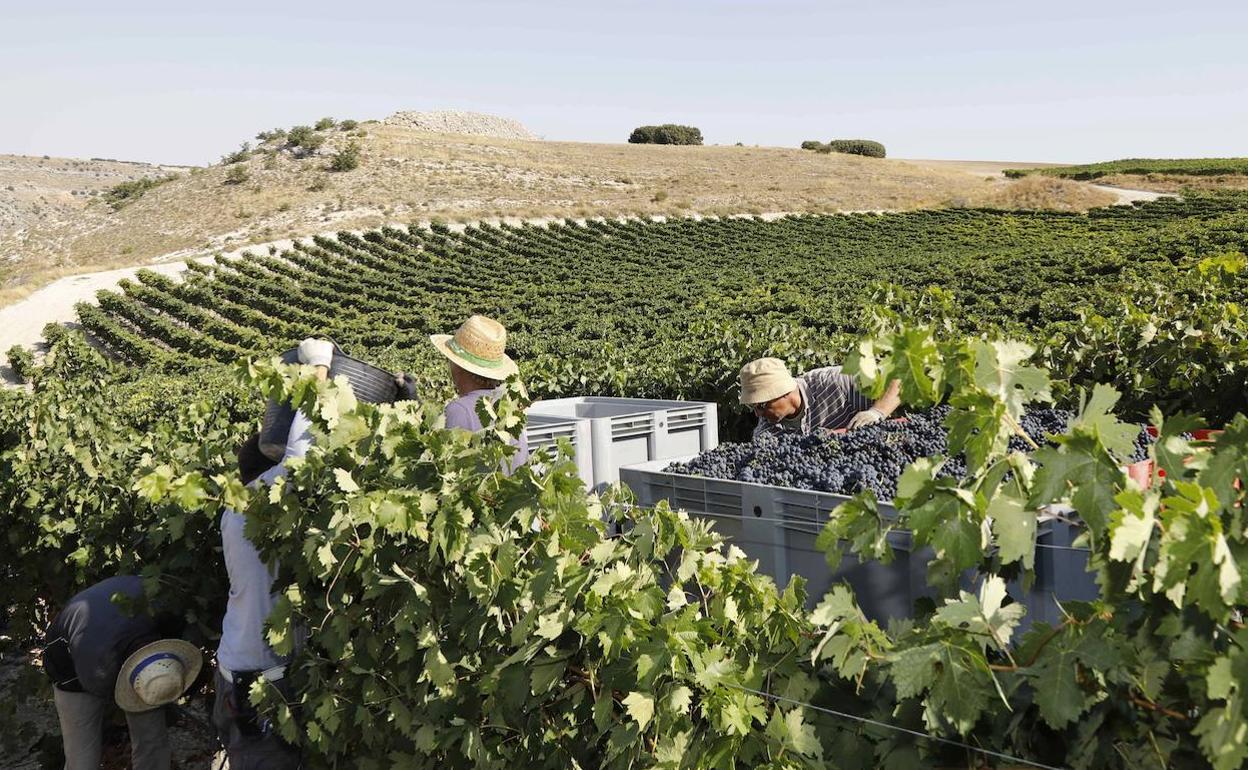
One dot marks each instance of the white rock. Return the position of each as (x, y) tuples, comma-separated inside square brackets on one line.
[(461, 122)]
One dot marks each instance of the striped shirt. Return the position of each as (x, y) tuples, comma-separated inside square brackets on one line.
[(829, 400)]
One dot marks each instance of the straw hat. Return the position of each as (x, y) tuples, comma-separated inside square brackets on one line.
[(158, 673), (765, 379), (479, 346)]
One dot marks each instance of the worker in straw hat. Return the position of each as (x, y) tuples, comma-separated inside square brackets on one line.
[(99, 651), (477, 353), (821, 399)]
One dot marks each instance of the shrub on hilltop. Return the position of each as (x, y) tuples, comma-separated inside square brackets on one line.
[(238, 156), (668, 133), (120, 195), (237, 175), (864, 147)]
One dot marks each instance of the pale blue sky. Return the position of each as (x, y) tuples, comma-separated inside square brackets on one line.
[(174, 82)]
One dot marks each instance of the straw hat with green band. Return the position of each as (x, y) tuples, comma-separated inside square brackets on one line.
[(478, 346)]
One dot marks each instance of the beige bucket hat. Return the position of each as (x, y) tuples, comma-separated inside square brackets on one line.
[(764, 379), (479, 346), (156, 674)]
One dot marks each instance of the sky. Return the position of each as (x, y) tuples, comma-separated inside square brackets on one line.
[(176, 82)]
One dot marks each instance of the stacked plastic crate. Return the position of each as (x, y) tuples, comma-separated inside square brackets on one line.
[(610, 433)]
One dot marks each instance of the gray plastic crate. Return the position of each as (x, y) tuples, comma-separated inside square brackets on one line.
[(778, 527), (626, 431), (544, 432), (1062, 569)]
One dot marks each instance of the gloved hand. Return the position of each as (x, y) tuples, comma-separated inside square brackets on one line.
[(406, 386), (865, 418), (316, 352)]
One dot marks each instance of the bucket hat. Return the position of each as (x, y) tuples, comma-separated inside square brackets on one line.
[(764, 379)]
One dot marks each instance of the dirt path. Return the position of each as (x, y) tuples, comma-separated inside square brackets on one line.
[(22, 322), (1126, 196), (996, 169)]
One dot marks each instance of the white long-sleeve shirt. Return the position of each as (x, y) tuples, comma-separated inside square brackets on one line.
[(242, 646)]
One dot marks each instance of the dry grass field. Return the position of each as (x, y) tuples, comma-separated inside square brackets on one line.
[(408, 175), (1176, 183)]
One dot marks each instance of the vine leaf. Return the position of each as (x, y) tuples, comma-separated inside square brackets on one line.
[(1081, 472), (1001, 371), (986, 615), (1132, 526), (1097, 419), (640, 707), (1014, 525)]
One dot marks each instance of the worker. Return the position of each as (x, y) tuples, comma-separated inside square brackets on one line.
[(479, 364), (243, 655), (821, 399), (100, 651)]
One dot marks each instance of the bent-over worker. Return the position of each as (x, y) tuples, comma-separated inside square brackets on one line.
[(98, 652), (821, 399)]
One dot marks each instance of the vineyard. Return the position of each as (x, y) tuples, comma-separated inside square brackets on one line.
[(670, 309), (458, 617), (1181, 167)]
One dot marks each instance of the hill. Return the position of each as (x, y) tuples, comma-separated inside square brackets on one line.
[(43, 191), (407, 175)]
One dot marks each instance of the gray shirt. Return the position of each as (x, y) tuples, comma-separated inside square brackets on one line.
[(830, 400), (462, 413), (98, 635)]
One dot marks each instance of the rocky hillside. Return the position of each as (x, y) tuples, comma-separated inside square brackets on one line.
[(298, 182), (45, 191)]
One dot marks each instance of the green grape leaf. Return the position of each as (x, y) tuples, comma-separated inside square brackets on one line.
[(1014, 525), (1223, 734), (913, 670), (1002, 372), (640, 707)]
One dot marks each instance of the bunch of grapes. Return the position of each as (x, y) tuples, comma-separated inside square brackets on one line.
[(872, 457)]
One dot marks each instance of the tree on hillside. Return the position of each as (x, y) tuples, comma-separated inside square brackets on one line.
[(668, 133)]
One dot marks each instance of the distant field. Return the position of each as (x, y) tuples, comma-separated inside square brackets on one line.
[(1142, 167)]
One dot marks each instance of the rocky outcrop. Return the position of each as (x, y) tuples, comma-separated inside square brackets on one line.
[(461, 122)]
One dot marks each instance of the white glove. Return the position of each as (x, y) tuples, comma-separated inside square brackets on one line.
[(865, 418), (316, 352)]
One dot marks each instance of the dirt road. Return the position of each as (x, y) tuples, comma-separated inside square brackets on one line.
[(996, 168)]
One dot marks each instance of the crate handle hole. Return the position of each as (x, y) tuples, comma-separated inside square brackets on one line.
[(758, 510)]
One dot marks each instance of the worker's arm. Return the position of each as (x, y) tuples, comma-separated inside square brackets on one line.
[(888, 403), (882, 408), (320, 355)]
